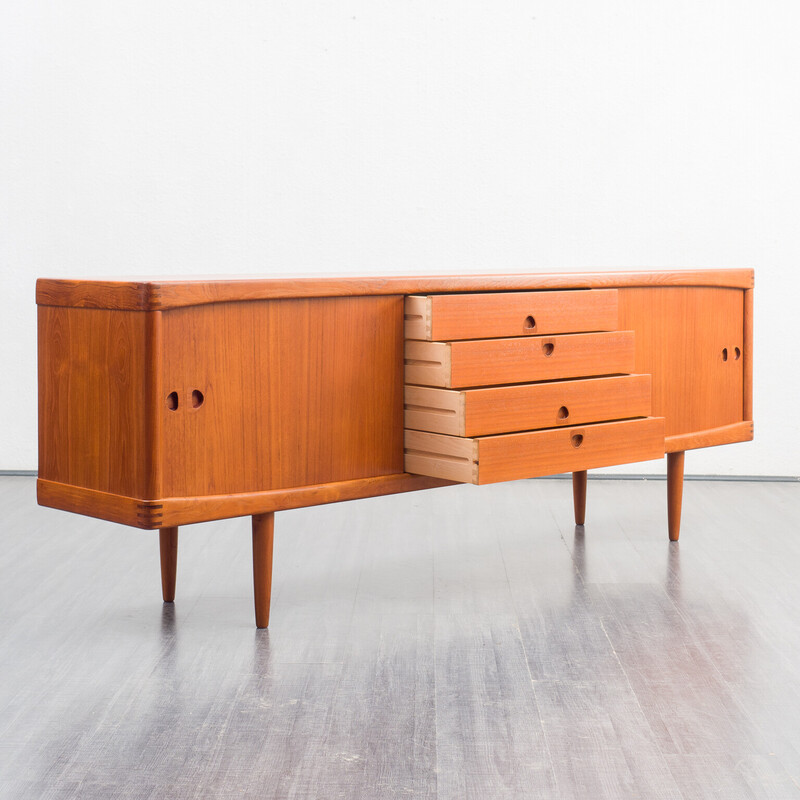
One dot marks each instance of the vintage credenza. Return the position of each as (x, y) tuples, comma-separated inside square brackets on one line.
[(168, 402)]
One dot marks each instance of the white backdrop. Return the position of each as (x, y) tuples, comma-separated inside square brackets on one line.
[(201, 137)]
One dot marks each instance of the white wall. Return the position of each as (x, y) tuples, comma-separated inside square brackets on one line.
[(195, 137)]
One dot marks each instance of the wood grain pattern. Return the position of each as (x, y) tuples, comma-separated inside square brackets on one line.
[(446, 317), (427, 363), (92, 397), (296, 393), (480, 362), (417, 318), (94, 503), (682, 338), (435, 410), (150, 515), (161, 294), (503, 409), (490, 459), (725, 434), (450, 457), (301, 399), (154, 417)]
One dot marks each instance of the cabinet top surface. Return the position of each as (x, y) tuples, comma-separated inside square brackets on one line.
[(153, 294)]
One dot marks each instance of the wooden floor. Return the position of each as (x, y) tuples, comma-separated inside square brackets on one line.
[(466, 642)]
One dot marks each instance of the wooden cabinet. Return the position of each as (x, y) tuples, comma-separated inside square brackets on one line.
[(163, 403)]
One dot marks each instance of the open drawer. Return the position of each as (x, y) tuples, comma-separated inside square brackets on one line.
[(446, 317), (508, 457), (486, 362), (527, 406)]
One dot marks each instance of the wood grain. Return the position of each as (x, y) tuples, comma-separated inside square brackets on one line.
[(93, 384), (301, 399), (503, 409), (681, 334), (154, 416), (161, 294), (449, 457), (501, 314), (485, 362), (150, 515), (427, 363), (296, 393), (725, 434), (490, 459)]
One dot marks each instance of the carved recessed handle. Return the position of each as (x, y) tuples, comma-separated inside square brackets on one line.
[(529, 325), (577, 439), (563, 412), (547, 348), (172, 401)]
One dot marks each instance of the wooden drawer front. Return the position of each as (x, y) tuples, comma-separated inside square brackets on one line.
[(488, 362), (483, 316), (503, 409), (491, 459)]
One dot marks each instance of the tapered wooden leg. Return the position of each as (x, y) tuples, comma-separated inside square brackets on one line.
[(263, 527), (674, 494), (168, 544), (579, 496)]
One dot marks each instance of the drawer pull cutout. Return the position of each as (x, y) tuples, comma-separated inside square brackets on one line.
[(577, 439), (530, 324), (563, 412), (547, 348), (172, 401), (197, 398)]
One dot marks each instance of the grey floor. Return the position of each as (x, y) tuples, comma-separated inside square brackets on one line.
[(457, 643)]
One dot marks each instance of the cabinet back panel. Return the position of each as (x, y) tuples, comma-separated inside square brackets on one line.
[(683, 335), (291, 392)]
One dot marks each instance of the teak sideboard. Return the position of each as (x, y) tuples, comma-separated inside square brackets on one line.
[(169, 402)]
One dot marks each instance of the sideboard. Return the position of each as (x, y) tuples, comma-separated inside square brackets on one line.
[(169, 402)]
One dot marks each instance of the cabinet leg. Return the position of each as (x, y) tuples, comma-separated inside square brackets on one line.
[(674, 494), (263, 528), (579, 496), (168, 545)]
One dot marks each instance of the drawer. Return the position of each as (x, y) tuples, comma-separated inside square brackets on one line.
[(486, 362), (502, 409), (490, 459), (443, 317)]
